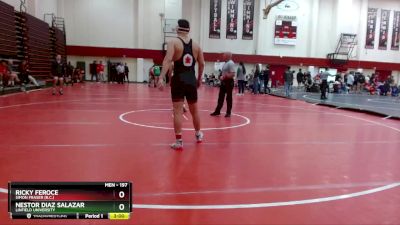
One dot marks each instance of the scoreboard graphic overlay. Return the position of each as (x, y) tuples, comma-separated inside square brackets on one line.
[(70, 200)]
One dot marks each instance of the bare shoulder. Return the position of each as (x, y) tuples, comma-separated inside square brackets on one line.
[(171, 41), (196, 46), (196, 50)]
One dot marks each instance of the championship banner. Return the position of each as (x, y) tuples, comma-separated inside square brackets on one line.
[(231, 19), (286, 30), (396, 31), (248, 19), (371, 27), (215, 19), (384, 30)]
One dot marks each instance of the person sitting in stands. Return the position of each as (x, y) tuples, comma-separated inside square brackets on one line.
[(250, 81), (152, 78), (385, 88), (337, 86), (76, 75), (308, 83), (371, 89), (3, 73), (24, 74), (13, 77), (213, 80), (157, 73), (395, 91), (360, 82), (69, 74)]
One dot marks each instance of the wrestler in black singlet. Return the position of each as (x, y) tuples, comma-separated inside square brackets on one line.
[(184, 83)]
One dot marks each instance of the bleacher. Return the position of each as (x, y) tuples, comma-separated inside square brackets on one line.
[(58, 42), (8, 32), (25, 37), (38, 47)]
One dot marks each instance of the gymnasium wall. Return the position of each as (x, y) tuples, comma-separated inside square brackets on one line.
[(320, 24), (36, 8), (375, 54), (137, 24), (101, 23), (15, 3)]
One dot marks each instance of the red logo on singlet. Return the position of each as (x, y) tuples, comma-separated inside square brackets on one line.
[(187, 60)]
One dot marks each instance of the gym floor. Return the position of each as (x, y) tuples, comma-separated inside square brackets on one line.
[(276, 161)]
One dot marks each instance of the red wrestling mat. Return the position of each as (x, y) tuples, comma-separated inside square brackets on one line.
[(274, 162)]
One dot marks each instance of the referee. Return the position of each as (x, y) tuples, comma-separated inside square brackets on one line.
[(227, 84)]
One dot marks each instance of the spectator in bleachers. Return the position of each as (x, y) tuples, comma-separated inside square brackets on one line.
[(58, 73), (70, 71), (355, 83), (152, 78), (367, 79), (308, 83), (77, 75), (324, 84), (300, 78), (156, 72), (395, 91), (241, 72), (350, 81), (13, 77), (100, 72), (127, 72), (391, 81), (385, 88), (343, 86), (370, 78), (113, 73), (3, 73), (288, 78), (256, 80), (360, 83), (249, 81), (211, 79), (24, 74), (121, 73), (267, 74), (337, 77), (93, 71), (261, 80)]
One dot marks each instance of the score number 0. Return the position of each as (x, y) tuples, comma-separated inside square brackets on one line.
[(121, 195)]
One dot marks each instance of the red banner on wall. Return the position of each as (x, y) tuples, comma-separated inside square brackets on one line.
[(215, 19), (396, 31), (231, 19), (384, 30), (371, 27), (248, 19)]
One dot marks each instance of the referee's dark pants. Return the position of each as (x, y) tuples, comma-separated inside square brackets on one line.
[(267, 90), (324, 88), (226, 88)]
